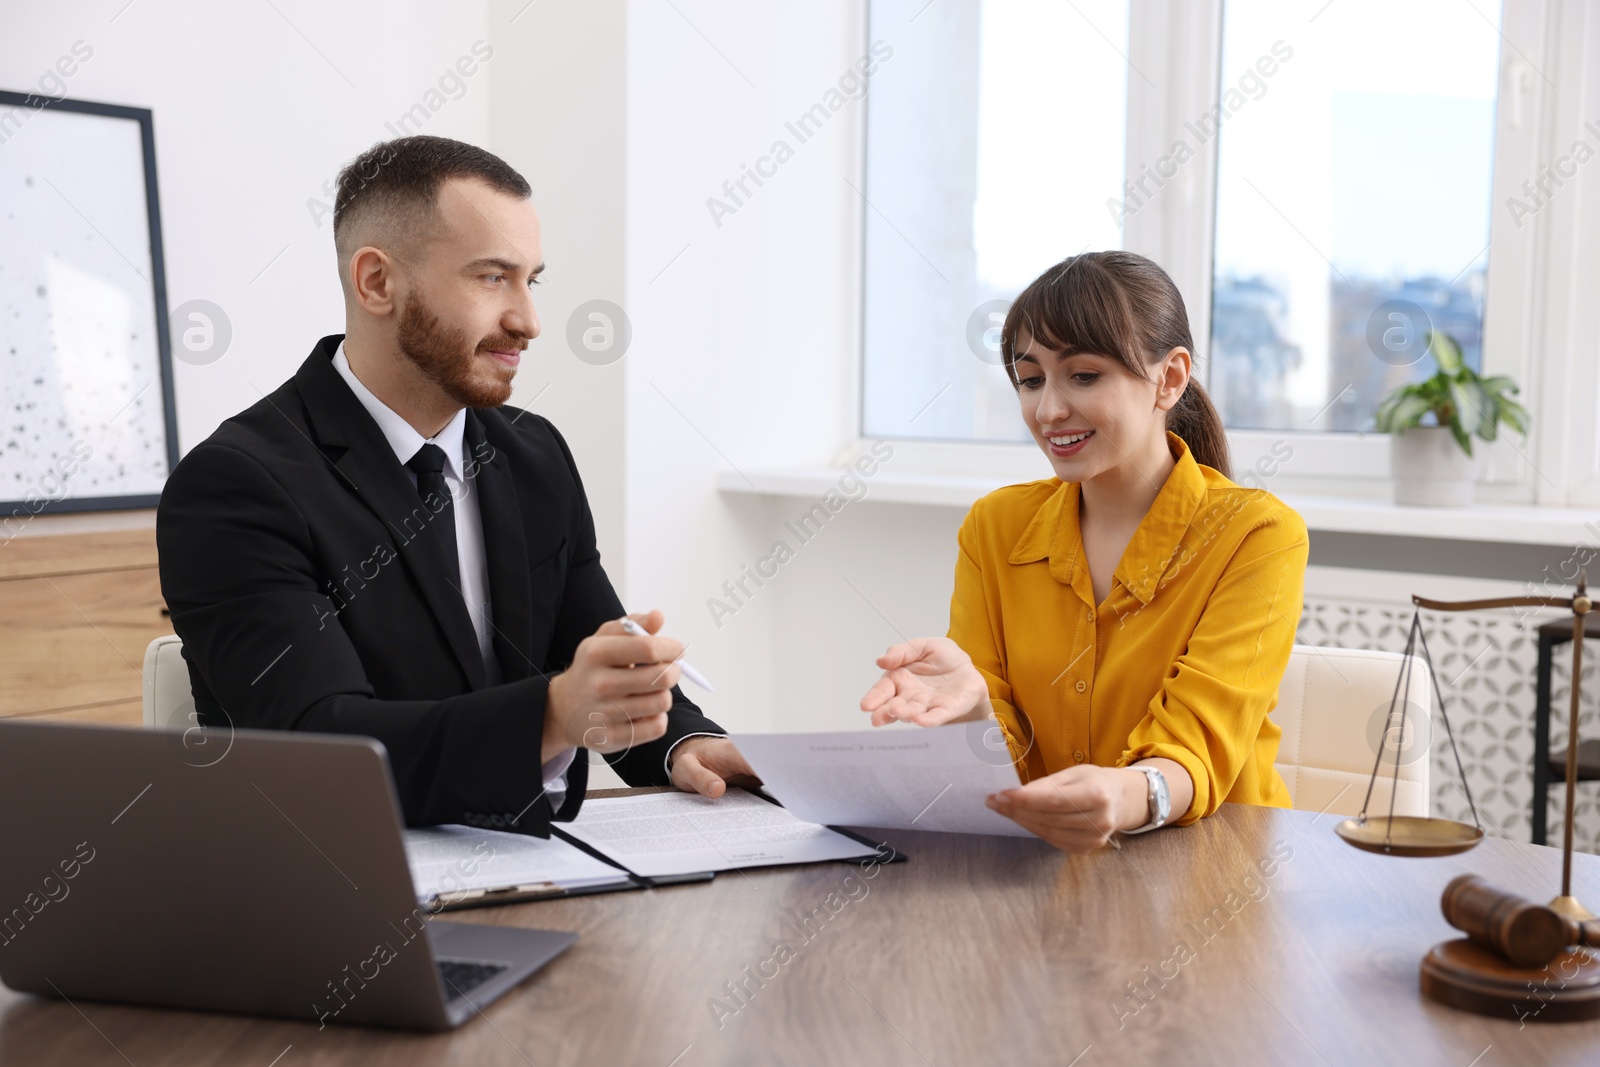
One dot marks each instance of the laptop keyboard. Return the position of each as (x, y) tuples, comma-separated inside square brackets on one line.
[(461, 977)]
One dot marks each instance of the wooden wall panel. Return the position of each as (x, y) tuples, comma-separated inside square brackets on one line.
[(31, 557), (76, 612)]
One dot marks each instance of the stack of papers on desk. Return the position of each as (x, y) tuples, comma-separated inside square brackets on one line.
[(617, 843)]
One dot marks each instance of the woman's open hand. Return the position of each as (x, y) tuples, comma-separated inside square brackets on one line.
[(928, 681)]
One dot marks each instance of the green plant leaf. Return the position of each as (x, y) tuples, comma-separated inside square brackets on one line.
[(1401, 409), (1499, 384), (1514, 415), (1461, 438), (1381, 413), (1487, 407), (1408, 412), (1437, 390), (1383, 418), (1469, 411), (1446, 352)]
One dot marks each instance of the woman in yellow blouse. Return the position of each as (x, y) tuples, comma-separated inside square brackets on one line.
[(1127, 621)]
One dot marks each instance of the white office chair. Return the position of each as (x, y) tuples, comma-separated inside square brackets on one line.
[(1332, 706), (168, 700)]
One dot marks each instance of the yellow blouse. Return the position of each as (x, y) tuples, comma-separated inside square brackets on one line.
[(1182, 660)]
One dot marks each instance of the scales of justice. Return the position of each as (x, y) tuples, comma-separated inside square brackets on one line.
[(1520, 959)]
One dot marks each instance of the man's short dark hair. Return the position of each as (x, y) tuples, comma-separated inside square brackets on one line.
[(391, 190)]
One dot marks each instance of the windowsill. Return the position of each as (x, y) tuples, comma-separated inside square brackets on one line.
[(1499, 523)]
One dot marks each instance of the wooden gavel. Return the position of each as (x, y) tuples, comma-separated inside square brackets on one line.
[(1527, 934)]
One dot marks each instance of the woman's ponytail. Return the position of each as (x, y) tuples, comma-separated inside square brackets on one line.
[(1195, 419)]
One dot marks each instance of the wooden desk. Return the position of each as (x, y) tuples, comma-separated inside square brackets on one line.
[(976, 951)]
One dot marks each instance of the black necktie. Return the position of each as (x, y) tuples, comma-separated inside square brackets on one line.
[(429, 465)]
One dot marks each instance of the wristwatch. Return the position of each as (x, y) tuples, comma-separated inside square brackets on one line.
[(1160, 801)]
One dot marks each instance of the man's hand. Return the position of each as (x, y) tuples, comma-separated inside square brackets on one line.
[(928, 681), (616, 692), (708, 765)]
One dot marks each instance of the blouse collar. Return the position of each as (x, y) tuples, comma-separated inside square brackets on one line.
[(1053, 532)]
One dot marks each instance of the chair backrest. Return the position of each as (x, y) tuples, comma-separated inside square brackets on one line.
[(1333, 706), (168, 700)]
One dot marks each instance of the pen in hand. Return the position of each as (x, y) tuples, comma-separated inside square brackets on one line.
[(688, 672)]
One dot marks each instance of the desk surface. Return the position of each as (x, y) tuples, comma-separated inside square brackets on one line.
[(977, 950)]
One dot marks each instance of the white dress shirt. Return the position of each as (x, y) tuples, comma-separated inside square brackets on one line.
[(473, 578)]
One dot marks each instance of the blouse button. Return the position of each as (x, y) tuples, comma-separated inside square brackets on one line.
[(1091, 615), (1077, 756), (1082, 685)]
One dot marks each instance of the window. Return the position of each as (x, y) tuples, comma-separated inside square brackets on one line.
[(994, 140), (1352, 206), (1354, 173)]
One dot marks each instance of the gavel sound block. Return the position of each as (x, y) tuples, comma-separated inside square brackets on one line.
[(1519, 959)]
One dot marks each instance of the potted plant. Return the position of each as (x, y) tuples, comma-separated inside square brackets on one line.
[(1432, 462)]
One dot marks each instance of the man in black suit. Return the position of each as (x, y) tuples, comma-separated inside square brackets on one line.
[(383, 547)]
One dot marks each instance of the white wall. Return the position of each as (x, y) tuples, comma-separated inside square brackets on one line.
[(250, 120), (744, 355), (556, 114)]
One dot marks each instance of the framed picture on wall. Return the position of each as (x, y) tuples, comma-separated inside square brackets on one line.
[(87, 419)]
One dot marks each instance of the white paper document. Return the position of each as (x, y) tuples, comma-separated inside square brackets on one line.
[(933, 778), (450, 860), (660, 834)]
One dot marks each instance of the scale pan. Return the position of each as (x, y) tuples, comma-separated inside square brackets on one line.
[(1409, 835)]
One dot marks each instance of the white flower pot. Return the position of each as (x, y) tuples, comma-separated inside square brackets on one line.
[(1430, 469)]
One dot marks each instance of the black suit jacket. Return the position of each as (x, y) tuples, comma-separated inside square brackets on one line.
[(291, 563)]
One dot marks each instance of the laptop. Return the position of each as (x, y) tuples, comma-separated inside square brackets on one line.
[(247, 871)]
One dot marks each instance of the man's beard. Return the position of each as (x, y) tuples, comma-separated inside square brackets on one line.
[(446, 357)]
